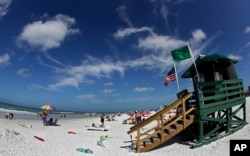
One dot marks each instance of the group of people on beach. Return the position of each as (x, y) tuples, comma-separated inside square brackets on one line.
[(134, 118), (46, 122), (103, 118), (108, 118), (9, 116)]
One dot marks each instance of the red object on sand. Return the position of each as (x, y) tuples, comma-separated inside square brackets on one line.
[(71, 132), (41, 139)]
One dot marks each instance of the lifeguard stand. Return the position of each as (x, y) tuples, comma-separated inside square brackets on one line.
[(220, 99)]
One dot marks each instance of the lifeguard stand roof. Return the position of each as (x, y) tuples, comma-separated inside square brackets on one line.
[(223, 61)]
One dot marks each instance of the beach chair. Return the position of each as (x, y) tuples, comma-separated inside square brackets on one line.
[(53, 123)]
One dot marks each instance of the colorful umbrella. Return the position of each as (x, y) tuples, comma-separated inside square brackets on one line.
[(48, 107)]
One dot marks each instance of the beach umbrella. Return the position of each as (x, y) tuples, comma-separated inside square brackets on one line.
[(48, 107)]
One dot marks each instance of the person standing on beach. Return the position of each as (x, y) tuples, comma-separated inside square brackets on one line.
[(11, 115), (102, 120), (44, 118), (137, 117)]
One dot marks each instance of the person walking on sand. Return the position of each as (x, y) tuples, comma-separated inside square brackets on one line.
[(102, 120)]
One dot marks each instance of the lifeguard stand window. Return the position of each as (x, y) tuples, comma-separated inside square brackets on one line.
[(217, 76), (201, 76)]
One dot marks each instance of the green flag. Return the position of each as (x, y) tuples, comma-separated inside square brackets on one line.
[(181, 54)]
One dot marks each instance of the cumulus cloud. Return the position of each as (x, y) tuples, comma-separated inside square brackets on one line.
[(49, 34), (4, 60), (24, 72), (4, 7), (143, 89)]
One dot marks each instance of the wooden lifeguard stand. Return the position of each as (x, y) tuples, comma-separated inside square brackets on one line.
[(216, 108), (219, 98)]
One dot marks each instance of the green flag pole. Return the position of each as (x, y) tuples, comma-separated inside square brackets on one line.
[(176, 78), (194, 62)]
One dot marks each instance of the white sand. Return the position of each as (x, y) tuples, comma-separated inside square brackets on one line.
[(16, 140)]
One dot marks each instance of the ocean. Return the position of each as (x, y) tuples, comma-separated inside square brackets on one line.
[(25, 112)]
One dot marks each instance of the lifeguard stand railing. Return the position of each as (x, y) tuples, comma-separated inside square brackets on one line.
[(221, 109)]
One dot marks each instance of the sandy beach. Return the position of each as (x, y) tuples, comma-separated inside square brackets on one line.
[(17, 140)]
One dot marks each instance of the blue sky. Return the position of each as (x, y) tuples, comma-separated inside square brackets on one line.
[(82, 55)]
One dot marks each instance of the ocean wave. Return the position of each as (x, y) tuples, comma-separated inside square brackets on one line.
[(16, 111)]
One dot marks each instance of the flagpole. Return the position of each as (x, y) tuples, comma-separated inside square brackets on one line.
[(176, 78), (191, 53)]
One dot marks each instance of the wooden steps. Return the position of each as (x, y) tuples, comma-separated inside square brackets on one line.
[(162, 130), (169, 133)]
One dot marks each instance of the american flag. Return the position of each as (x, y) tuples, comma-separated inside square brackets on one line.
[(171, 76)]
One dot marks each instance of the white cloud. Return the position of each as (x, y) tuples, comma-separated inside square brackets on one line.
[(4, 60), (108, 84), (121, 33), (122, 14), (108, 91), (4, 7), (235, 57), (94, 68), (47, 35), (150, 62), (84, 73), (67, 81), (198, 35), (159, 42), (24, 72), (247, 30), (164, 12), (143, 89)]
